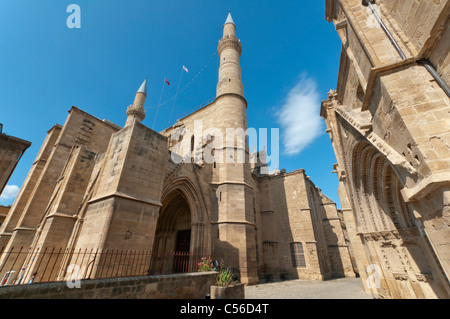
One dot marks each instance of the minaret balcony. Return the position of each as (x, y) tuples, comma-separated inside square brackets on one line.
[(229, 42)]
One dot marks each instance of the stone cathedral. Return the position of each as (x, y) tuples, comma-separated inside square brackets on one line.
[(97, 185)]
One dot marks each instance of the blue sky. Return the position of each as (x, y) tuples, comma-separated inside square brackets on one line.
[(289, 62)]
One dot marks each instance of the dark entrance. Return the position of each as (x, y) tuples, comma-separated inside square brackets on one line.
[(183, 240), (181, 260)]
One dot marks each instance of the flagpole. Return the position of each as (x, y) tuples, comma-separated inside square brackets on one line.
[(159, 103), (176, 94)]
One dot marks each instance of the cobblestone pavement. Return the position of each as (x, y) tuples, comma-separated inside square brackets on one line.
[(342, 288)]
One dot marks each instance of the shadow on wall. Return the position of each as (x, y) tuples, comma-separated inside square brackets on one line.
[(335, 245), (227, 257)]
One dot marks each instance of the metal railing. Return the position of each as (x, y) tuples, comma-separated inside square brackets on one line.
[(23, 266)]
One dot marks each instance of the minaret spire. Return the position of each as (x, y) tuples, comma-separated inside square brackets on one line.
[(143, 88), (136, 112), (229, 18)]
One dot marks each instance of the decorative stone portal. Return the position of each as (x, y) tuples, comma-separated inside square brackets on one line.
[(387, 230), (173, 234)]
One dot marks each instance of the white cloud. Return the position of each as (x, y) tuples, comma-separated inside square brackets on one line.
[(299, 117), (9, 193)]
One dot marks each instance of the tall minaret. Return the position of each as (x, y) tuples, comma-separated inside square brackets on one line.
[(232, 173), (231, 106), (136, 112), (229, 50)]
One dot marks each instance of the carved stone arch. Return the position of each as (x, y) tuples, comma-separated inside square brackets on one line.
[(360, 174), (355, 179), (377, 183), (375, 180), (198, 212), (180, 228), (396, 246), (368, 154), (385, 199), (388, 193), (393, 199)]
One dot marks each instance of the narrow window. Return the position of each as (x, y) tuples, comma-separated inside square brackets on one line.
[(298, 257)]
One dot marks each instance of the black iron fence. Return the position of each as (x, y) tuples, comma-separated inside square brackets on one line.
[(25, 266)]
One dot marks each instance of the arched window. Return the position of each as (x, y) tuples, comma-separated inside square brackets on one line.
[(298, 256)]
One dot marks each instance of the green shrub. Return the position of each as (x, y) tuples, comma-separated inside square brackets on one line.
[(224, 277)]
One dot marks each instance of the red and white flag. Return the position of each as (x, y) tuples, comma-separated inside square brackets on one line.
[(167, 81), (185, 68)]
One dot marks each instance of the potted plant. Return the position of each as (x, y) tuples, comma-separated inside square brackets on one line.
[(205, 265), (227, 286)]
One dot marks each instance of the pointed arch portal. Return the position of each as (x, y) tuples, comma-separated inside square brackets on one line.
[(386, 226), (179, 229), (173, 232)]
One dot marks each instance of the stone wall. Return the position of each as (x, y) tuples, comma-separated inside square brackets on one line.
[(388, 124), (293, 211), (178, 286)]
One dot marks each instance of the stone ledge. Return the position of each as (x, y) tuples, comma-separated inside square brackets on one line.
[(186, 286), (425, 186)]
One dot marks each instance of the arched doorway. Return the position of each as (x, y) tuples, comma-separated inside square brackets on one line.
[(173, 234), (180, 229)]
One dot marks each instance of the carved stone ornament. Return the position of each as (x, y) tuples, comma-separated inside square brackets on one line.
[(178, 124), (408, 242), (388, 244), (229, 42), (424, 277), (136, 110), (400, 276), (332, 95)]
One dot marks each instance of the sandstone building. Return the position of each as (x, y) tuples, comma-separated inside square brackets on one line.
[(389, 125), (96, 185), (11, 151)]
